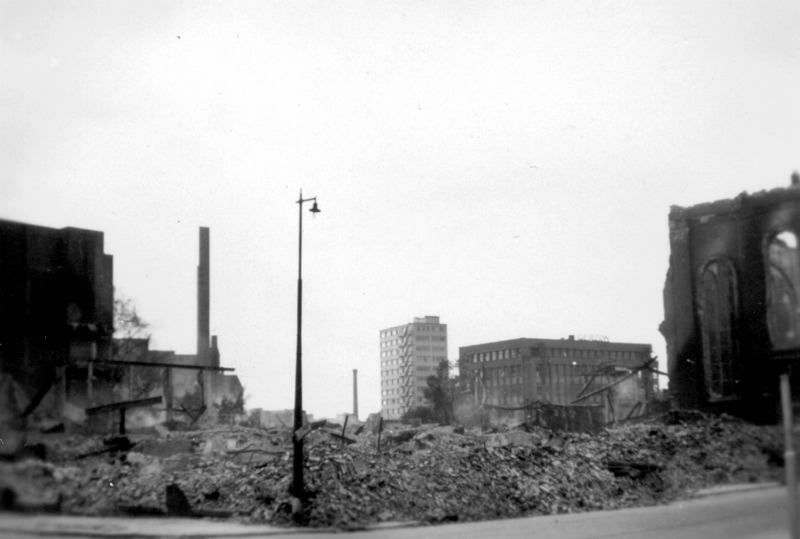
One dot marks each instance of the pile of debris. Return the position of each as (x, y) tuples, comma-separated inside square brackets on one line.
[(428, 474)]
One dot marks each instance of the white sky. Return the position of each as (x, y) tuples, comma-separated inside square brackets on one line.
[(507, 166)]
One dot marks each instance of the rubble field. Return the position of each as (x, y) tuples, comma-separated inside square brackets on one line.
[(427, 474)]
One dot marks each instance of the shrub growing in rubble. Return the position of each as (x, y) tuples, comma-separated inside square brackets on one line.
[(131, 343)]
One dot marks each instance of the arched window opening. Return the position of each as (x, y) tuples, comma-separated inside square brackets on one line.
[(718, 316), (783, 283)]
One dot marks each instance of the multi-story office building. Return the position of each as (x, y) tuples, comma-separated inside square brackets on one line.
[(521, 371), (409, 355)]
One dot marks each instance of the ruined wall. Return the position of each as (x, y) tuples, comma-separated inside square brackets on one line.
[(721, 291), (515, 372), (56, 301)]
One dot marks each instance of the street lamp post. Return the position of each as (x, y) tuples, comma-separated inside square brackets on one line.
[(298, 489)]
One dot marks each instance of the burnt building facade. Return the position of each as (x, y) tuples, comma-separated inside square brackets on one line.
[(57, 351), (56, 302), (732, 302), (518, 372)]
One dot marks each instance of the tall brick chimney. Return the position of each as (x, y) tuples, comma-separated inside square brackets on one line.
[(355, 393), (203, 300)]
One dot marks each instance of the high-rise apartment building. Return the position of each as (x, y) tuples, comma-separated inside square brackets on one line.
[(409, 354)]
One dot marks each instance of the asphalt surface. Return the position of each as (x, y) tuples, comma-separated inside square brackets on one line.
[(752, 511)]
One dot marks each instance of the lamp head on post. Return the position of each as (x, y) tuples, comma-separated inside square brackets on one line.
[(314, 208)]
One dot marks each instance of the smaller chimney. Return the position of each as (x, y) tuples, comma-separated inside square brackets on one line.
[(355, 393), (214, 353), (795, 178)]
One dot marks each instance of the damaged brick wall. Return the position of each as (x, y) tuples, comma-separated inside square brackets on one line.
[(731, 305), (56, 302)]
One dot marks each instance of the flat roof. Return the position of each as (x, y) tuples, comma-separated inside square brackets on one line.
[(580, 344)]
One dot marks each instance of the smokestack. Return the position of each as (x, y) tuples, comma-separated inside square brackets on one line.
[(203, 299), (213, 354), (355, 393)]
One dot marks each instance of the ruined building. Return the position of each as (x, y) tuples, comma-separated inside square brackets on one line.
[(57, 351), (731, 304), (518, 373), (409, 354), (192, 384), (56, 308)]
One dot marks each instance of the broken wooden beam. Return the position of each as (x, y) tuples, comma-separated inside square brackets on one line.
[(343, 438), (344, 429), (123, 405), (605, 388), (170, 365), (303, 431)]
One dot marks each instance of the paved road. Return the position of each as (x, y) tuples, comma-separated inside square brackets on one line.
[(756, 514), (759, 514)]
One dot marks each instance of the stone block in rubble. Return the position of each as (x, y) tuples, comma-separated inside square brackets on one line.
[(254, 458), (494, 440), (512, 437), (215, 445), (400, 436), (164, 448), (373, 423), (518, 437), (425, 440), (148, 464), (153, 467), (134, 457)]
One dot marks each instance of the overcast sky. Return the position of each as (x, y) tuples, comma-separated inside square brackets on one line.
[(507, 166)]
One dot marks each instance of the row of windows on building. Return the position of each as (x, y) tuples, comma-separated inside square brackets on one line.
[(409, 391), (401, 373), (417, 360), (403, 330), (494, 355), (560, 370), (386, 371), (398, 391), (425, 338), (503, 376), (434, 348), (569, 353), (556, 383), (573, 353), (400, 381), (389, 402), (411, 368), (417, 348)]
